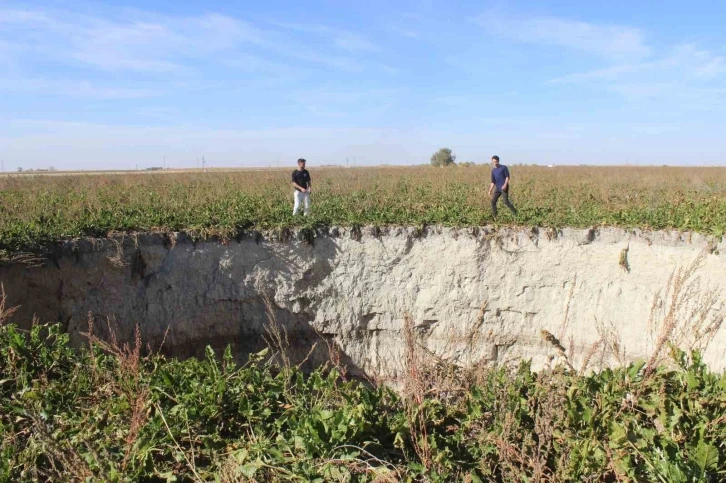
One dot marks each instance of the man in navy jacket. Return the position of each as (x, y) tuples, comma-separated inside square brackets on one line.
[(500, 186)]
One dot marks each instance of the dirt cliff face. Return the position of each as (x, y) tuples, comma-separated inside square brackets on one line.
[(472, 295)]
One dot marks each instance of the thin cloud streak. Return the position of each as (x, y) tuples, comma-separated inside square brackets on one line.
[(155, 44), (686, 74), (146, 46), (81, 89), (609, 41), (343, 39), (686, 60), (328, 102), (159, 44), (405, 32)]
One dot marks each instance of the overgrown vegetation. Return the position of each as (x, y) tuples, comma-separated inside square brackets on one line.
[(36, 211), (111, 413)]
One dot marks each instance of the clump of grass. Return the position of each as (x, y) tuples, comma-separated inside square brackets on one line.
[(623, 262)]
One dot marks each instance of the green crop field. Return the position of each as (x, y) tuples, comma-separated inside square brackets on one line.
[(38, 210)]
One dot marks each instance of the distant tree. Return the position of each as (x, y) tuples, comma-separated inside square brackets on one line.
[(443, 157), (20, 169), (466, 164), (52, 168)]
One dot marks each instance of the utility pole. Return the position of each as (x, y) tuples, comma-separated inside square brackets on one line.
[(347, 163), (203, 163), (278, 161), (164, 162)]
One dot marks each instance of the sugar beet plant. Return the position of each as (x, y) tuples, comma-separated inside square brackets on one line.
[(110, 413)]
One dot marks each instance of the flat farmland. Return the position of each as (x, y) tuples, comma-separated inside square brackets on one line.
[(37, 210)]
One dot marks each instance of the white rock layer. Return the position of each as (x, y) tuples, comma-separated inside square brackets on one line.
[(473, 295)]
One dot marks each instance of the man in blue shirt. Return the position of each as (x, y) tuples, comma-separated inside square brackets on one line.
[(500, 186)]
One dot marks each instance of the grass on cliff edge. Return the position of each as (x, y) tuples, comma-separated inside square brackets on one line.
[(38, 210)]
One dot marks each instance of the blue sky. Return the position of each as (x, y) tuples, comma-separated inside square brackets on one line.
[(85, 85)]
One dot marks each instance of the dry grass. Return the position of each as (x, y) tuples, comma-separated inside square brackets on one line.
[(6, 312), (685, 315), (276, 335), (129, 356)]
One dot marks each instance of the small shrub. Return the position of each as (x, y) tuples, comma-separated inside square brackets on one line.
[(443, 157)]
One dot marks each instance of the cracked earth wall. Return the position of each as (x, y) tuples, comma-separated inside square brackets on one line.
[(473, 295)]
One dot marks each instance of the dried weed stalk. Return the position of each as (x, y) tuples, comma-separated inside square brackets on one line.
[(5, 312), (127, 355), (684, 315), (557, 345), (276, 337), (414, 391)]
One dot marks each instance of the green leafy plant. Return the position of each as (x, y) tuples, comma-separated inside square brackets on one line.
[(109, 413)]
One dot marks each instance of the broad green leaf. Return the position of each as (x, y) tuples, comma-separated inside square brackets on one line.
[(250, 469), (706, 457)]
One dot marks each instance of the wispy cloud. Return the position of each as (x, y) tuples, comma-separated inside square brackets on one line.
[(155, 44), (405, 31), (353, 42), (608, 73), (70, 88), (418, 19), (616, 42), (697, 98), (695, 62), (630, 66), (686, 61), (144, 43), (164, 114), (685, 73), (341, 38), (331, 102)]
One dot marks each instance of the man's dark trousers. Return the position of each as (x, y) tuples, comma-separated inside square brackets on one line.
[(505, 196)]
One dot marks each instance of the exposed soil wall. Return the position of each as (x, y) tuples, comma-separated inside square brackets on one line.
[(472, 294)]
